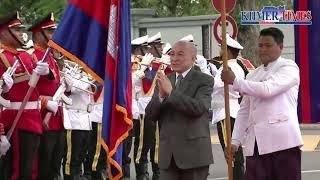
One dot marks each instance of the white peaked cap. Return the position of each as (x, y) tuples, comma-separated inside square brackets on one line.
[(188, 38), (140, 40), (155, 38), (233, 43), (167, 48)]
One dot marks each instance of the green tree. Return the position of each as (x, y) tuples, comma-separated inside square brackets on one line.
[(247, 35), (171, 8), (31, 10)]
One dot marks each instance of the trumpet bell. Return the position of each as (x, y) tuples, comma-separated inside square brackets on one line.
[(75, 71)]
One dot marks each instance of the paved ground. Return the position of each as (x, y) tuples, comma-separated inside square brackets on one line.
[(310, 157)]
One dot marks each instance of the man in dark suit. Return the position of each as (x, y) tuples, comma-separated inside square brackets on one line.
[(180, 103)]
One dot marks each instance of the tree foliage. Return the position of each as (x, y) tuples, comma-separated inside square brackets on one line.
[(165, 8), (31, 10), (247, 35)]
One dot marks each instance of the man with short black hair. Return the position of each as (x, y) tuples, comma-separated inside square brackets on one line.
[(267, 124)]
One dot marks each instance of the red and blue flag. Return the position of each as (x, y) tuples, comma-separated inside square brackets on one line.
[(307, 52), (96, 35)]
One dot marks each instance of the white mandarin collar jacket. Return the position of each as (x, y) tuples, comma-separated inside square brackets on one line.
[(268, 111)]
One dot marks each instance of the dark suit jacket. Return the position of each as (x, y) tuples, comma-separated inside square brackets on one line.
[(184, 122)]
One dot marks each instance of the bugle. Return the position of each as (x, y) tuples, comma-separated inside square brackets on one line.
[(75, 72)]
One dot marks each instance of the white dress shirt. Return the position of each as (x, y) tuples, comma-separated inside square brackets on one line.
[(183, 74), (268, 111), (217, 103)]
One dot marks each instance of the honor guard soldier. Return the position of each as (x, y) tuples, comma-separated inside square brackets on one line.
[(165, 58), (52, 145), (4, 144), (217, 103), (18, 163), (155, 44)]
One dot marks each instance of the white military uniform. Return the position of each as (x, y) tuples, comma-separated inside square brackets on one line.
[(217, 103), (77, 115), (189, 38), (136, 88), (143, 99), (136, 78), (203, 64), (96, 114), (268, 111), (143, 102)]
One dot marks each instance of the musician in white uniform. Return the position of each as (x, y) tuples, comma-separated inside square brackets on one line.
[(95, 165), (139, 48), (78, 125), (217, 103)]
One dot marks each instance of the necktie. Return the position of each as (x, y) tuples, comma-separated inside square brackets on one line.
[(179, 79)]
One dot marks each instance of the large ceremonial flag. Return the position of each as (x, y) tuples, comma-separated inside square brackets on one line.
[(96, 35), (307, 52)]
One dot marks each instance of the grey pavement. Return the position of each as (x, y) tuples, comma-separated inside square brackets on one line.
[(218, 171)]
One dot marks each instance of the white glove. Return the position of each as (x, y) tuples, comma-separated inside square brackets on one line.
[(52, 106), (42, 68), (139, 73), (165, 59), (4, 145), (8, 82), (147, 59), (68, 80)]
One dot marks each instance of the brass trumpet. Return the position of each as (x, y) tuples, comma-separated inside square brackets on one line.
[(137, 64), (73, 69)]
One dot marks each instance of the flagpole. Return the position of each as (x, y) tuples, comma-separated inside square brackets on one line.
[(226, 89)]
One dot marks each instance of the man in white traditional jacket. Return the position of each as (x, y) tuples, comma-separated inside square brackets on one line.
[(267, 124), (217, 103)]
